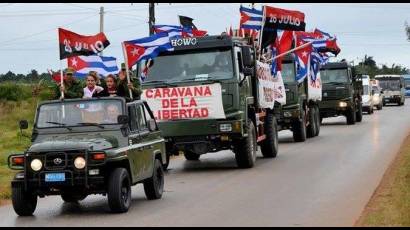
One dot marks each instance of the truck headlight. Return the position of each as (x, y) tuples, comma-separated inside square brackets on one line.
[(79, 162), (36, 165), (225, 127), (342, 104)]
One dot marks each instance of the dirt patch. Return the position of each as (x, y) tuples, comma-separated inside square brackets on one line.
[(390, 203)]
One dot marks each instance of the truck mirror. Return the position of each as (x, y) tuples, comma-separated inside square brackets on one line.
[(23, 124), (247, 56), (152, 125), (123, 119)]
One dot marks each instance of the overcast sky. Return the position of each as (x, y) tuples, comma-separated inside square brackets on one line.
[(28, 37)]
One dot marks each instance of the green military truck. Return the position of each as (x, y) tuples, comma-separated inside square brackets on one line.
[(341, 94), (89, 146), (205, 95), (300, 114)]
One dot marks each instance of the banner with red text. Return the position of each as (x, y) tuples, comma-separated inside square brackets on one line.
[(270, 88), (314, 85), (186, 102)]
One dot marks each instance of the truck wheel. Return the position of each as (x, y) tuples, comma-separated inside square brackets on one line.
[(72, 198), (317, 120), (24, 203), (119, 190), (154, 186), (299, 128), (269, 146), (351, 116), (311, 128), (191, 156), (245, 149), (380, 106)]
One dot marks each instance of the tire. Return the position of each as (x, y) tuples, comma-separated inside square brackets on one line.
[(24, 203), (351, 116), (311, 128), (119, 190), (191, 156), (359, 113), (269, 146), (154, 186), (299, 128), (318, 120), (72, 198), (379, 106), (245, 148)]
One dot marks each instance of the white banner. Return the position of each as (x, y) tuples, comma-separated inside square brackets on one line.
[(187, 102), (270, 89)]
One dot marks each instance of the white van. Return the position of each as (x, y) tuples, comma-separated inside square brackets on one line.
[(367, 97)]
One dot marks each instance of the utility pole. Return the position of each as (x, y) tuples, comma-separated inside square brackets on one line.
[(151, 20), (101, 23)]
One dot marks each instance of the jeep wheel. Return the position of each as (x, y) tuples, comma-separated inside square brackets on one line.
[(24, 203), (166, 164), (269, 147), (245, 149), (359, 113), (191, 156), (311, 128), (72, 198), (318, 120), (154, 186), (119, 190), (351, 116), (299, 128)]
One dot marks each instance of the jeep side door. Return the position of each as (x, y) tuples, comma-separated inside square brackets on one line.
[(135, 151)]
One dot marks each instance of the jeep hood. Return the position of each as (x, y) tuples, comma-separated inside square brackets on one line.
[(94, 142)]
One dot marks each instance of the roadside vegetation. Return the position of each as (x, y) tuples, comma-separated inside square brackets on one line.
[(17, 102), (390, 204)]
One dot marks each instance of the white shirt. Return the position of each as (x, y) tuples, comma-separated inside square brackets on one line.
[(89, 94)]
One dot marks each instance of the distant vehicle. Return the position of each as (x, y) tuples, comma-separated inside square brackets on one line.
[(377, 97), (393, 88), (367, 97), (89, 146), (407, 84)]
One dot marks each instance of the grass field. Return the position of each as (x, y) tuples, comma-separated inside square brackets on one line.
[(390, 204)]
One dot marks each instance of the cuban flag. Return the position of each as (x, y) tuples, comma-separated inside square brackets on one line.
[(302, 59), (317, 60), (147, 48), (321, 41), (84, 64), (250, 18), (179, 31)]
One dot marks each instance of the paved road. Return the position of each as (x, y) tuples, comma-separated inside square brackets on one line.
[(325, 181)]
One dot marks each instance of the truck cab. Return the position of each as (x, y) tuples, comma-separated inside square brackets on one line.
[(89, 146), (407, 84), (393, 87), (204, 96), (341, 93)]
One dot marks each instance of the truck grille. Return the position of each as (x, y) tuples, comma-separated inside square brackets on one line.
[(334, 94)]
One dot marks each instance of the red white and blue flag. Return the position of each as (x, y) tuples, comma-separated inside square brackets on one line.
[(82, 65), (250, 18), (179, 31), (321, 41), (302, 59), (146, 48)]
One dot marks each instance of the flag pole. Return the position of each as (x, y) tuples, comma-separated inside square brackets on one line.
[(261, 33), (61, 78), (290, 51), (126, 68)]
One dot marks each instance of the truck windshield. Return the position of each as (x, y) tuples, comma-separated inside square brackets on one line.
[(376, 89), (334, 76), (407, 83), (288, 72), (366, 90), (198, 65), (79, 113), (391, 84)]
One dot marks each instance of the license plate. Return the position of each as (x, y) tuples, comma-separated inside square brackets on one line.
[(55, 177)]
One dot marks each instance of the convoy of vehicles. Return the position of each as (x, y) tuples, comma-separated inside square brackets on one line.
[(230, 116), (341, 92), (367, 96), (89, 146), (393, 87), (300, 114)]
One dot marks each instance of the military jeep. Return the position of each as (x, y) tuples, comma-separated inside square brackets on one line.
[(89, 146)]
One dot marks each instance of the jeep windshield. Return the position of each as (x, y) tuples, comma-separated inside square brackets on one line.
[(79, 113), (288, 72), (390, 84), (192, 65), (334, 76)]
